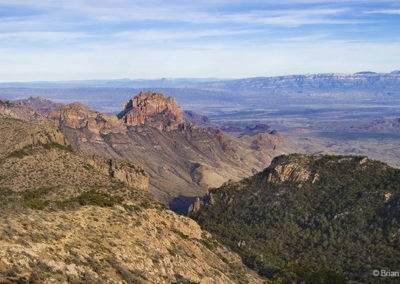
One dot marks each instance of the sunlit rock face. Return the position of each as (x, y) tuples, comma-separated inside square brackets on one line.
[(147, 106), (79, 116)]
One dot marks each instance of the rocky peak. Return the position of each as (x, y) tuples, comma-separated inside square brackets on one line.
[(79, 116), (288, 168), (12, 109), (267, 141), (40, 104), (128, 173), (154, 109)]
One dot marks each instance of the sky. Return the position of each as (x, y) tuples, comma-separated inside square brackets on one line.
[(50, 40)]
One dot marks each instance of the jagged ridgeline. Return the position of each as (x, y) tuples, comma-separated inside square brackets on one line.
[(181, 158), (310, 218), (66, 217)]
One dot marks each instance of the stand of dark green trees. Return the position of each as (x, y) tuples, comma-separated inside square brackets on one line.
[(337, 227)]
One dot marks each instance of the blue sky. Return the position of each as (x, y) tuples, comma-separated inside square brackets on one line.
[(85, 39)]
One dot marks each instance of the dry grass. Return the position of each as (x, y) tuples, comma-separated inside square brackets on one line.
[(62, 220)]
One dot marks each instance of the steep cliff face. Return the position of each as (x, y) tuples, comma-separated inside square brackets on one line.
[(292, 169), (129, 174), (145, 106), (93, 124)]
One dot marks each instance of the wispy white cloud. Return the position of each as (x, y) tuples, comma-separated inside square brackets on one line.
[(291, 18), (162, 34), (306, 38), (83, 39), (263, 60), (384, 11), (39, 36), (180, 11)]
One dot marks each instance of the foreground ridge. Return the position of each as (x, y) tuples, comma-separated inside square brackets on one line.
[(67, 217)]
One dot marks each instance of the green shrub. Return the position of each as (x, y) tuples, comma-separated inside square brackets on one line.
[(36, 204), (91, 197)]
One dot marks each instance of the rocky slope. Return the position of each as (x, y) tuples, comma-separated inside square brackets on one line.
[(310, 219), (237, 131), (43, 150), (65, 217), (40, 104), (198, 119), (181, 158), (13, 109), (20, 134)]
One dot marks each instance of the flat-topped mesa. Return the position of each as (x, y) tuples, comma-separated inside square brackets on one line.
[(154, 109)]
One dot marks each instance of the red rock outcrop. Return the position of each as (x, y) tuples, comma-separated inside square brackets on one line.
[(288, 169), (79, 116), (289, 172), (153, 108)]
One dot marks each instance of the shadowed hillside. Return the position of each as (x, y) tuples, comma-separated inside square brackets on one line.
[(310, 218)]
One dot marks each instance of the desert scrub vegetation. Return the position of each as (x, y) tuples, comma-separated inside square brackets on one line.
[(54, 145), (36, 199), (91, 197), (6, 196), (30, 149)]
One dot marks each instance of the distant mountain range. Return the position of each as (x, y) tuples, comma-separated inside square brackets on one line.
[(112, 83), (323, 84), (247, 84), (194, 94)]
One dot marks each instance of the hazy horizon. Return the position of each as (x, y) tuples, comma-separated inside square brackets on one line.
[(205, 79)]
